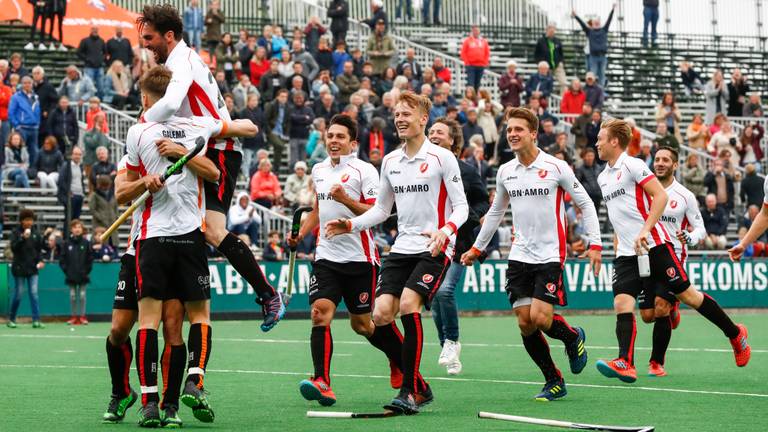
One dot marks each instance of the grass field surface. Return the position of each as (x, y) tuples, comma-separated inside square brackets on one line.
[(57, 379)]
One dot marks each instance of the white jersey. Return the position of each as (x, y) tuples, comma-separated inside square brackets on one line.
[(192, 92), (682, 210), (179, 207), (536, 196), (765, 192), (122, 166), (360, 180), (429, 194), (628, 204)]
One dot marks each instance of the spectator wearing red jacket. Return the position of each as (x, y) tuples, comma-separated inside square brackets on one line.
[(265, 186), (573, 100), (441, 72), (476, 55), (511, 85), (5, 100), (259, 65)]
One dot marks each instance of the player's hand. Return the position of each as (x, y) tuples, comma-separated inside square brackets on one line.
[(337, 227), (168, 148), (468, 258), (641, 241), (736, 252), (338, 193), (437, 241), (573, 12), (684, 237), (595, 259), (40, 265), (293, 241), (152, 183)]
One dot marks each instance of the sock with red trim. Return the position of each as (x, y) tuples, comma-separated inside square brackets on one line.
[(387, 339), (119, 360), (538, 349), (174, 358), (242, 259), (321, 344), (413, 343), (199, 344), (662, 333), (561, 330), (625, 333), (712, 311), (146, 364)]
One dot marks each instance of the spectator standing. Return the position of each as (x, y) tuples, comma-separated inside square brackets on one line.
[(573, 100), (193, 24), (724, 139), (338, 12), (380, 49), (425, 12), (5, 99), (76, 86), (753, 108), (245, 54), (49, 161), (103, 205), (664, 138), (226, 57), (214, 18), (592, 128), (312, 34), (265, 186), (692, 82), (119, 48), (251, 145), (594, 92), (17, 66), (58, 10), (295, 182), (715, 219), (242, 218), (587, 174), (716, 92), (62, 123), (476, 55), (340, 56), (720, 184), (39, 13), (480, 165), (258, 66), (410, 60), (697, 133), (93, 139), (16, 161), (650, 19), (540, 84), (738, 89), (24, 116), (377, 13), (274, 250), (243, 91), (597, 36), (47, 96), (668, 113), (579, 129), (76, 261), (347, 82), (26, 244), (549, 49), (487, 113), (300, 118), (103, 167), (510, 86), (117, 86), (92, 51), (271, 82), (71, 187), (752, 192), (748, 147), (305, 58), (693, 177), (277, 126)]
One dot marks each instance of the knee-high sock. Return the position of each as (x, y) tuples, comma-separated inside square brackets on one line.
[(626, 330), (413, 342), (119, 360), (662, 333), (199, 343), (714, 313), (146, 364), (321, 344), (389, 340), (538, 349), (241, 258), (173, 360), (561, 330)]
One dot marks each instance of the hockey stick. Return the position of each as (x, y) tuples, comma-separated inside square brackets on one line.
[(563, 424), (173, 169), (351, 415), (295, 226)]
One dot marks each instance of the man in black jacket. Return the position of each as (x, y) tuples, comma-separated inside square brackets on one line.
[(278, 126), (752, 192), (587, 174), (26, 244), (62, 123), (119, 48), (48, 97), (251, 145), (447, 134), (338, 12), (92, 51), (377, 9), (550, 49), (71, 187), (301, 117), (271, 82)]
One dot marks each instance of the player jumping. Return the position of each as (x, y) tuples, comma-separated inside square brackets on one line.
[(534, 185), (636, 200)]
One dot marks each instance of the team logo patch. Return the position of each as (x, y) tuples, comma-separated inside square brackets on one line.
[(423, 167), (427, 278), (344, 178), (618, 176), (542, 173), (673, 204), (551, 287), (671, 272), (363, 297)]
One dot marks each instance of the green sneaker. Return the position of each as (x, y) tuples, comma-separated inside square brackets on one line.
[(117, 407), (11, 324), (170, 417), (149, 415), (37, 325), (195, 398)]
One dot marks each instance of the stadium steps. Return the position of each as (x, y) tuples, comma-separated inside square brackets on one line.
[(14, 35)]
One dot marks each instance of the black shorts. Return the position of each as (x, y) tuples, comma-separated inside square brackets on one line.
[(173, 267), (652, 289), (540, 281), (422, 273), (125, 292), (355, 282), (218, 196), (666, 271)]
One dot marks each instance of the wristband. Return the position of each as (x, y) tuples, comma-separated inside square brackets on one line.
[(476, 251)]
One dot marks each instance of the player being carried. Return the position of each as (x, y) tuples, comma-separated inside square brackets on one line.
[(346, 267), (533, 186), (636, 200), (424, 181), (193, 92), (658, 305)]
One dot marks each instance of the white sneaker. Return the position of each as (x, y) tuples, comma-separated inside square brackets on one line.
[(29, 46), (63, 48), (42, 47), (454, 368), (52, 47), (450, 353)]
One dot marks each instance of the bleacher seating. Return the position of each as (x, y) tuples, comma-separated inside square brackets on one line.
[(14, 35)]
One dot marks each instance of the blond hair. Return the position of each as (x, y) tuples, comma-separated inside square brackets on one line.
[(420, 102), (618, 129)]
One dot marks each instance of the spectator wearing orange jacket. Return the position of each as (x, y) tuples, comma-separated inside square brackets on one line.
[(573, 100), (5, 99), (265, 186), (476, 55)]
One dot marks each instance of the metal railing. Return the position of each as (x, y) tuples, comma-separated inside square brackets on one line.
[(271, 221), (118, 122)]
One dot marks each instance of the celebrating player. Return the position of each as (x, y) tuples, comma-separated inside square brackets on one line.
[(759, 225), (533, 185), (657, 304), (636, 200), (424, 181), (346, 267), (193, 91)]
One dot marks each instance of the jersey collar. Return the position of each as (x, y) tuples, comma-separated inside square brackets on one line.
[(421, 154), (181, 46), (537, 163), (619, 161), (343, 160)]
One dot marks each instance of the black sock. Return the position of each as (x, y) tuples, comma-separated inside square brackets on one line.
[(173, 360), (626, 331), (662, 333), (713, 312), (560, 330), (387, 339), (241, 258), (119, 361), (538, 349), (199, 344), (321, 344), (146, 364), (412, 345)]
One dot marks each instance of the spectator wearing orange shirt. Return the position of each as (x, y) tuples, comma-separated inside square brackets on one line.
[(573, 100), (94, 108), (265, 186), (476, 54), (5, 99), (441, 72), (633, 149)]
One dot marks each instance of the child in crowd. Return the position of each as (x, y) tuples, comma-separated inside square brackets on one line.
[(76, 261)]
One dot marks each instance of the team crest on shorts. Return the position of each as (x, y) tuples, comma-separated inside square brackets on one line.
[(551, 287), (673, 204), (427, 278), (671, 272), (423, 167), (363, 297), (344, 178), (542, 173)]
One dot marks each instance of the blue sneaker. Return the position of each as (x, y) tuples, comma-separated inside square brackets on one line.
[(274, 311), (551, 391), (577, 352)]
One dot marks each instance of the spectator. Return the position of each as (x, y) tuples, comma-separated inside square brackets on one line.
[(62, 123), (737, 93), (573, 100), (278, 125), (93, 139), (92, 52), (633, 149), (259, 66), (320, 152), (325, 106), (751, 190), (324, 80), (296, 182), (476, 55), (547, 137), (5, 99), (226, 56), (535, 105), (26, 244), (410, 60), (193, 24), (245, 54), (592, 128), (549, 49), (510, 86), (724, 139), (242, 218), (716, 92), (265, 40), (754, 107), (471, 128), (669, 113), (143, 60), (102, 167), (487, 113), (338, 12), (265, 186), (697, 133), (587, 175), (650, 18), (720, 184), (715, 219), (480, 165), (340, 57), (540, 84), (357, 62), (717, 123), (748, 146), (52, 248), (347, 82), (746, 223), (579, 129), (693, 177), (692, 82), (4, 74), (76, 261), (300, 118), (274, 250), (76, 87), (435, 12), (71, 186), (17, 66), (647, 152), (16, 161), (299, 55), (99, 250), (251, 145), (442, 72), (380, 49), (598, 44), (94, 109), (243, 91), (49, 161), (595, 94), (46, 94), (214, 18), (119, 48), (24, 115), (312, 34), (39, 13), (103, 205), (378, 14), (117, 87), (664, 138), (271, 82), (242, 39)]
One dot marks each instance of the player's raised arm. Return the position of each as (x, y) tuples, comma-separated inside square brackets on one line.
[(238, 128), (491, 222)]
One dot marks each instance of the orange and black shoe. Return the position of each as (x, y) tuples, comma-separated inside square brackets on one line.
[(674, 315), (618, 368), (395, 376), (656, 369), (424, 397), (741, 349), (317, 389), (404, 403)]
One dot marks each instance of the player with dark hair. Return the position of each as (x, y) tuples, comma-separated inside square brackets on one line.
[(194, 92), (533, 186), (636, 201), (424, 181)]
